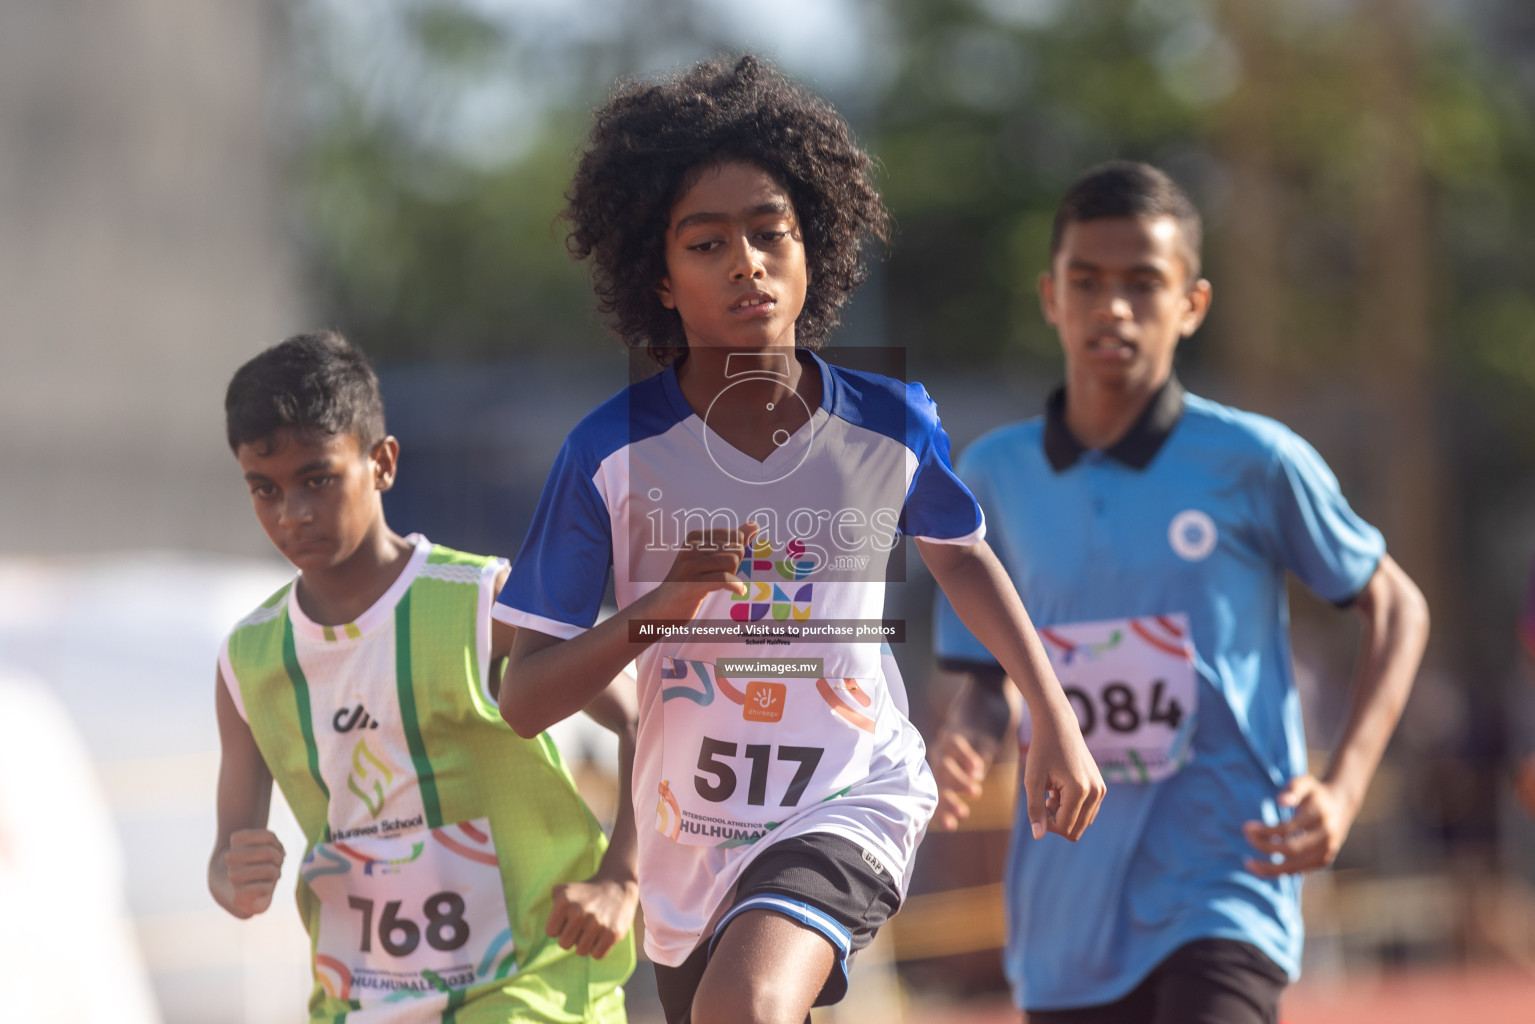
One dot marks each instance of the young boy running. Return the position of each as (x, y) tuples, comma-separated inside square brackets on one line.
[(1150, 532), (752, 488), (451, 871)]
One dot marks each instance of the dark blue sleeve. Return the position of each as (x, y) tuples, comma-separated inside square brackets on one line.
[(938, 506), (559, 577), (1314, 532)]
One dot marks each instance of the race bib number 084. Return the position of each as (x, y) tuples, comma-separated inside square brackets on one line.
[(1133, 686), (410, 916)]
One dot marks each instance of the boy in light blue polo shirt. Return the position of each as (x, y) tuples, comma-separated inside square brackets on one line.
[(1149, 532)]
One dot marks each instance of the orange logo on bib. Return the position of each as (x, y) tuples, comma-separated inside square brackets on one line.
[(764, 702)]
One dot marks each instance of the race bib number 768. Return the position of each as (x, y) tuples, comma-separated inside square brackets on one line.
[(412, 915)]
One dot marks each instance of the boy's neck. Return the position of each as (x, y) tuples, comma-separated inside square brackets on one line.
[(343, 592), (1099, 414)]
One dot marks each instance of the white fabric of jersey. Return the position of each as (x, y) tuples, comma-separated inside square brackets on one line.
[(640, 472)]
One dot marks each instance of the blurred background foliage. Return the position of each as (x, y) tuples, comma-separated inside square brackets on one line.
[(438, 136), (1366, 169)]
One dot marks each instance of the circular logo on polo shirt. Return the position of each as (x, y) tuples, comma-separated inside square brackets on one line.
[(1192, 535)]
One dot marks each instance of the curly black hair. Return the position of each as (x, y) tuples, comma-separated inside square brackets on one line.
[(649, 141)]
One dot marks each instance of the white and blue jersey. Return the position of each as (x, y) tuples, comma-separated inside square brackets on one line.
[(1155, 571), (732, 758)]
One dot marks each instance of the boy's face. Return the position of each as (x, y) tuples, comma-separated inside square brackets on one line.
[(317, 496), (1119, 296), (735, 261)]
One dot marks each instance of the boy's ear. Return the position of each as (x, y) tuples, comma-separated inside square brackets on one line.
[(386, 461), (1047, 298), (1196, 304), (664, 293)]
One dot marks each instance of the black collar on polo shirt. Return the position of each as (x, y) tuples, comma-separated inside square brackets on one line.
[(1139, 445)]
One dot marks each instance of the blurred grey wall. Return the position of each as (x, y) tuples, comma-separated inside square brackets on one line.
[(142, 258)]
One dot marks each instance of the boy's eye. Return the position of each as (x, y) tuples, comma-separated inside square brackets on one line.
[(1083, 283), (264, 491), (708, 246), (772, 236), (316, 482)]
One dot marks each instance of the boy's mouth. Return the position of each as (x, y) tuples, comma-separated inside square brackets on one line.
[(1111, 346), (753, 302)]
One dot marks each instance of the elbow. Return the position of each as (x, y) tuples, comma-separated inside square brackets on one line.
[(524, 720), (1411, 608), (526, 728), (1399, 613)]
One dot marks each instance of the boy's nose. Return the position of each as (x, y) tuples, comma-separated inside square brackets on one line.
[(1116, 308), (747, 264), (296, 512)]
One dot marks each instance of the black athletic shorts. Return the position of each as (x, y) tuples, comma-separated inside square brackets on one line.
[(822, 881), (1211, 981)]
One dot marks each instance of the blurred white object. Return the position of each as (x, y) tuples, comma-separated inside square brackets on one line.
[(126, 646), (67, 953)]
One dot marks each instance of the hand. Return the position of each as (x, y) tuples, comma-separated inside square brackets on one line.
[(1060, 778), (709, 561), (961, 760), (591, 916), (1311, 838), (253, 863)]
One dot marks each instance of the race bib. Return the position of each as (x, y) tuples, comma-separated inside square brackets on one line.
[(411, 915), (1133, 686), (740, 756)]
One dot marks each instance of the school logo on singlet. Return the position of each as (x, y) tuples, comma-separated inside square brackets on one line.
[(369, 778), (1192, 535)]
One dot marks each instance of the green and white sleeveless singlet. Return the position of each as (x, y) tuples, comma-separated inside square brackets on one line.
[(435, 834)]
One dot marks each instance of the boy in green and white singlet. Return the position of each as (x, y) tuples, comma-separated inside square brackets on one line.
[(451, 871)]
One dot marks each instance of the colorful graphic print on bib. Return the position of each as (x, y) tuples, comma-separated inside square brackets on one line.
[(412, 915), (742, 756), (1133, 686)]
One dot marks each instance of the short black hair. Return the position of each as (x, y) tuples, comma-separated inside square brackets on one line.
[(1122, 188), (647, 144), (317, 383)]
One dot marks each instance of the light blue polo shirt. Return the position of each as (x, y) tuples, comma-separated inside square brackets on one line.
[(1199, 509)]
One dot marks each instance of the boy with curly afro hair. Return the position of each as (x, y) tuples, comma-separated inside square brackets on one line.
[(747, 499)]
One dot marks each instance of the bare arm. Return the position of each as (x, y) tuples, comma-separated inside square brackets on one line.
[(550, 679), (592, 915), (1396, 622), (1062, 783), (972, 733), (617, 710), (247, 858)]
